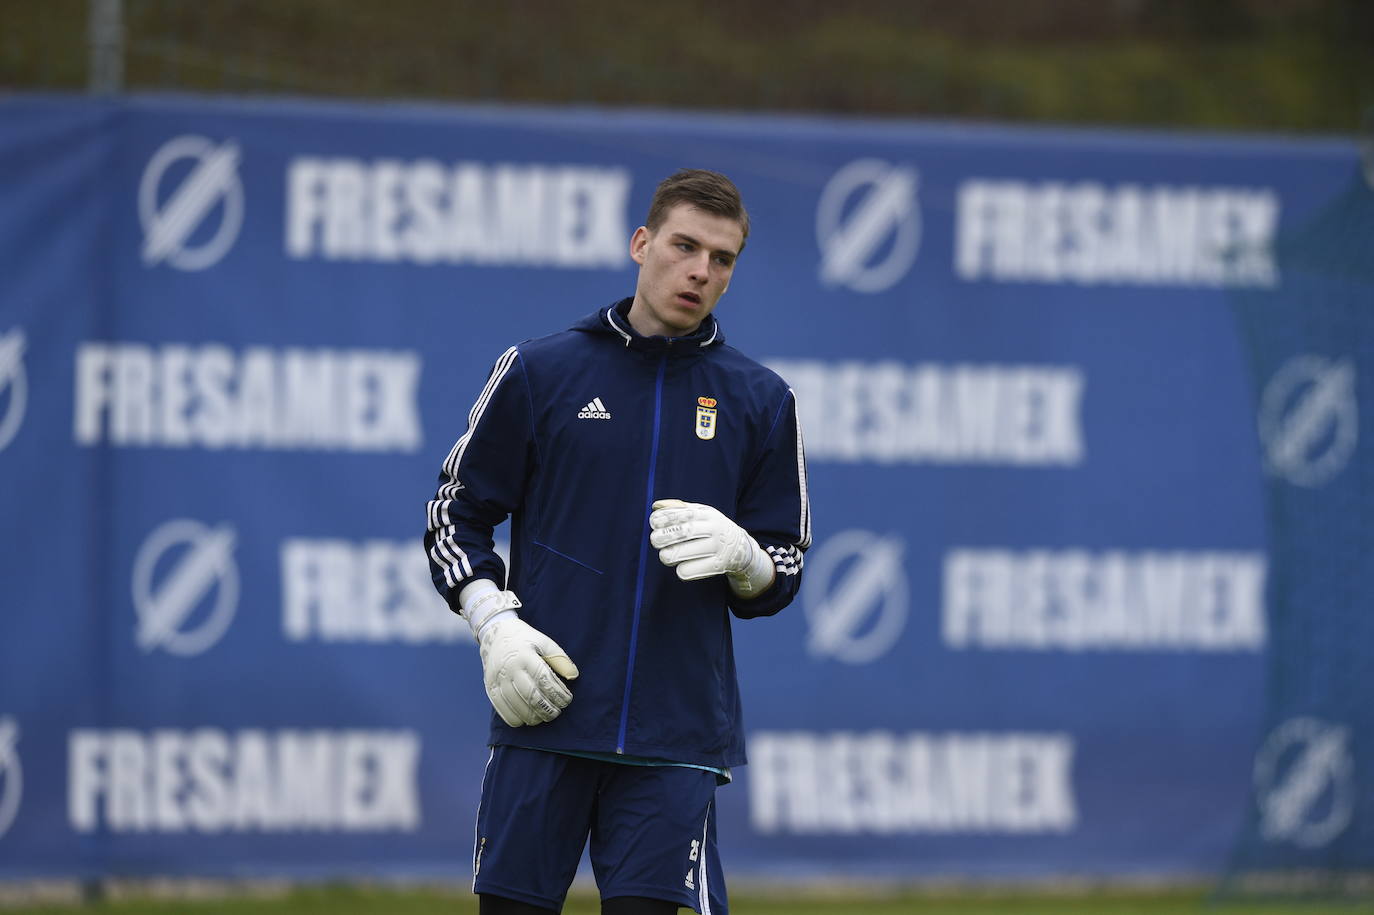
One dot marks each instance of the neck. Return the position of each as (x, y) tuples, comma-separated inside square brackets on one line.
[(646, 325)]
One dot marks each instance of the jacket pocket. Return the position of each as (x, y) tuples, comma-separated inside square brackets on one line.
[(566, 556)]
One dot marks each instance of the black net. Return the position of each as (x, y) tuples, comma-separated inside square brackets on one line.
[(1310, 829)]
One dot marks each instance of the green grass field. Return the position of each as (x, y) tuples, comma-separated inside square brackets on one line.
[(357, 901)]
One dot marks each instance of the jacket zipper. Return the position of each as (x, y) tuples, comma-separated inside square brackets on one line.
[(643, 560)]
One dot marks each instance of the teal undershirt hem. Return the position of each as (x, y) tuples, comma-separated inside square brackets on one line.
[(722, 775)]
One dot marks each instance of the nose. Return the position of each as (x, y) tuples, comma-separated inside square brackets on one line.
[(699, 270)]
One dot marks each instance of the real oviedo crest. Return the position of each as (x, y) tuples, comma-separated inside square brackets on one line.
[(706, 418)]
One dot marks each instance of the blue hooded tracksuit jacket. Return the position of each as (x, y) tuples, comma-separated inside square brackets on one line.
[(574, 437)]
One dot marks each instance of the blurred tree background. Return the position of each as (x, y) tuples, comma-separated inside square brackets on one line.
[(1253, 65)]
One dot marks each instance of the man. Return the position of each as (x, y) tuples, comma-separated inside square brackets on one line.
[(656, 481)]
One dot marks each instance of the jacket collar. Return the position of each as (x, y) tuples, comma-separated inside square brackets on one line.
[(614, 319)]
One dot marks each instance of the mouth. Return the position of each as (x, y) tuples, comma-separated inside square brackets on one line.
[(689, 298)]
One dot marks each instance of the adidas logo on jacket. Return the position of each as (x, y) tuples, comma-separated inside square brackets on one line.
[(594, 410)]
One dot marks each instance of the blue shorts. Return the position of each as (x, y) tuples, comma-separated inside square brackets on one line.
[(652, 830)]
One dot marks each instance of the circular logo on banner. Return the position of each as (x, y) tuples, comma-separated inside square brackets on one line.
[(1304, 782), (1309, 420), (855, 596), (190, 202), (176, 570), (868, 225), (11, 774), (14, 385)]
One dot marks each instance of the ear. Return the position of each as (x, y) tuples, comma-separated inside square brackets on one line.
[(639, 243)]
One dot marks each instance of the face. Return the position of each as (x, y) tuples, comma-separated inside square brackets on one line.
[(684, 269)]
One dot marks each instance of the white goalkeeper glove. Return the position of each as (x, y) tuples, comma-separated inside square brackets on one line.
[(520, 665), (700, 542)]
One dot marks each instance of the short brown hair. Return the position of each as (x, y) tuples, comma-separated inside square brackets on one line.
[(709, 191)]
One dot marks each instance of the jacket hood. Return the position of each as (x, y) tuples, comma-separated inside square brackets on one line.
[(614, 320)]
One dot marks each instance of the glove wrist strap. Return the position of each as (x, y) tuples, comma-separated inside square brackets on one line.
[(758, 577), (483, 602)]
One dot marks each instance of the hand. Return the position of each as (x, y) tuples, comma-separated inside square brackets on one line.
[(700, 542), (519, 663), (521, 668)]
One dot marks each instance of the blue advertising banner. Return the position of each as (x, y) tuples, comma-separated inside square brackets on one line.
[(238, 338)]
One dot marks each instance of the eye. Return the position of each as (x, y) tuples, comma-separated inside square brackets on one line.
[(724, 260), (685, 246)]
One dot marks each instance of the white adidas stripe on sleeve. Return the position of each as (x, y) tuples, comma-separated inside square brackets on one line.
[(805, 523), (446, 552)]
